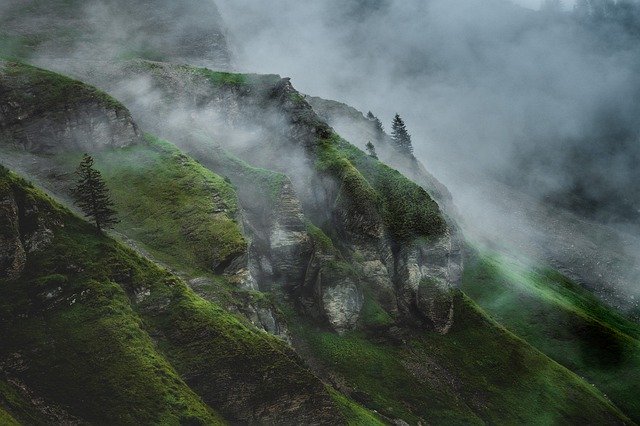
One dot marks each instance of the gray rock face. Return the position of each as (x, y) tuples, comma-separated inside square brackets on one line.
[(290, 245), (88, 127), (24, 229), (342, 302), (427, 273), (12, 253), (45, 113)]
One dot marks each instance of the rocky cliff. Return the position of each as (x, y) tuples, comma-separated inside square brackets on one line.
[(387, 227)]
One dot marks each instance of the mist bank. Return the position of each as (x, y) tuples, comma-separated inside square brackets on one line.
[(527, 114), (543, 100)]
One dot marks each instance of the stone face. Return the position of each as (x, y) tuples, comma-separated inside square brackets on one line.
[(427, 274), (342, 302), (12, 253), (24, 229), (290, 245), (45, 113)]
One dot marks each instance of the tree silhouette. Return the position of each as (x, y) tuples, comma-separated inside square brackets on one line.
[(400, 135), (92, 196), (377, 125), (371, 149)]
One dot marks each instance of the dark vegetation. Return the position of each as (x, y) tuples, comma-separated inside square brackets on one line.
[(478, 373), (92, 195)]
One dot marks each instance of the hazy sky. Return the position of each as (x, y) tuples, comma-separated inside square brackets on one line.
[(535, 4)]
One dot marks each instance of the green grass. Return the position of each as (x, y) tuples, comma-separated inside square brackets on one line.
[(478, 373), (220, 78), (183, 213), (319, 238), (255, 181), (6, 419), (74, 328), (373, 314), (355, 414), (562, 320), (91, 337), (372, 188), (46, 91)]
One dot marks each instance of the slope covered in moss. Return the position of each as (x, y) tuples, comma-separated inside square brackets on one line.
[(562, 320), (478, 373), (407, 209), (45, 91), (67, 325), (81, 316)]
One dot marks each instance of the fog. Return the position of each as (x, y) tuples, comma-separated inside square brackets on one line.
[(537, 98), (516, 107), (475, 80)]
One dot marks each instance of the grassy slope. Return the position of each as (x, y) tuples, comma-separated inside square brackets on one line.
[(367, 184), (51, 90), (407, 209), (92, 339), (7, 419), (563, 321), (477, 373), (183, 212), (67, 325)]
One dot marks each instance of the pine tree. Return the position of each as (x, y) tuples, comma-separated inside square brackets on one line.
[(371, 150), (377, 125), (400, 135), (92, 196)]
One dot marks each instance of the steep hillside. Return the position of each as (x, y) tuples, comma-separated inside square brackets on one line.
[(386, 333), (405, 255), (599, 257), (359, 130), (562, 320), (129, 341), (356, 201)]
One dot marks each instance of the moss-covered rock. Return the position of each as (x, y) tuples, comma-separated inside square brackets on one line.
[(45, 112)]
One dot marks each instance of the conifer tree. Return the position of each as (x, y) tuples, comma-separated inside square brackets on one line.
[(400, 135), (371, 149), (377, 125), (92, 196)]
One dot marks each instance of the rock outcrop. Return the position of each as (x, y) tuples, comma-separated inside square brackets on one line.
[(46, 113), (12, 253), (24, 229), (338, 188)]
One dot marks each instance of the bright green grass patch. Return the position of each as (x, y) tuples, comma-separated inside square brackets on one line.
[(407, 209), (184, 213), (219, 78), (355, 414), (562, 320)]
